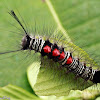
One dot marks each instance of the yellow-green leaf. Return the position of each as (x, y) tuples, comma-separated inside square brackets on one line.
[(11, 92)]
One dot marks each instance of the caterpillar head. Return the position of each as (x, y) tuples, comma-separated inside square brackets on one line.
[(25, 42)]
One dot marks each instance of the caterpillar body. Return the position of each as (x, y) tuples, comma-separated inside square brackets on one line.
[(57, 54)]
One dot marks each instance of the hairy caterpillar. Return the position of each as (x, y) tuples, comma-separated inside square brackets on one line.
[(57, 54)]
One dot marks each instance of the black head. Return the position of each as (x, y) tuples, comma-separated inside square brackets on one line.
[(25, 42)]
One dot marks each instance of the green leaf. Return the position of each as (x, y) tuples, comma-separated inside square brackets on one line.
[(79, 17), (47, 82), (52, 81), (12, 92), (91, 93)]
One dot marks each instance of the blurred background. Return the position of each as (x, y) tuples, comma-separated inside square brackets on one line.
[(81, 19)]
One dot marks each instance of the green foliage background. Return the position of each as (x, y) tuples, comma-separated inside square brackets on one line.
[(80, 18)]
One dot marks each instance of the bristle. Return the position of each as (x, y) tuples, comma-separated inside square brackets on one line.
[(10, 51), (12, 13)]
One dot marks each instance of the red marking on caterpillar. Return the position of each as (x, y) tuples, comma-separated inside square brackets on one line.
[(62, 56), (55, 52), (69, 60), (47, 49)]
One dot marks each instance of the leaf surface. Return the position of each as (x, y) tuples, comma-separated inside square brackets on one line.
[(12, 92), (67, 17)]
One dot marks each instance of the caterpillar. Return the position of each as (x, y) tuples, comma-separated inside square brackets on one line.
[(57, 54)]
